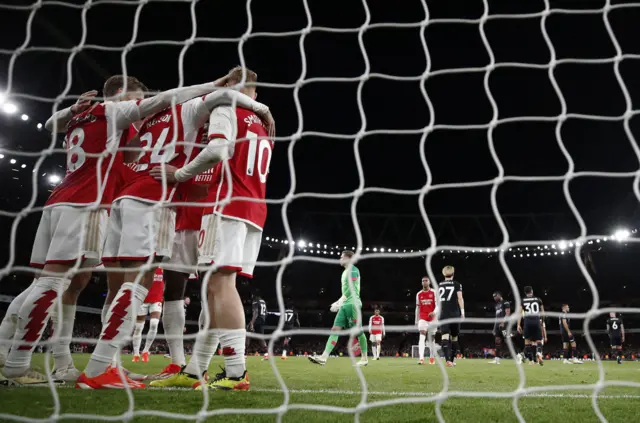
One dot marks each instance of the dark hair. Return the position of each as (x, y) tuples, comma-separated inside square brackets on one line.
[(117, 82), (235, 75), (528, 290), (495, 294)]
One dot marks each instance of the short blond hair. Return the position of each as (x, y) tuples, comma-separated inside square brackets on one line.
[(448, 271), (235, 75)]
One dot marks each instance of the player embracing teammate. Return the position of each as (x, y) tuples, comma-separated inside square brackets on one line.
[(231, 231)]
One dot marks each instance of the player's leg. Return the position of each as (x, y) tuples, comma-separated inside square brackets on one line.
[(140, 231), (455, 344), (352, 320), (378, 346), (422, 339), (446, 343), (574, 352), (258, 328), (498, 340), (173, 317), (138, 327), (63, 366), (285, 346), (432, 328), (565, 352), (155, 312), (10, 322), (66, 237)]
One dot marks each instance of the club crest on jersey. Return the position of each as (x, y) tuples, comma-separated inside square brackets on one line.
[(82, 118)]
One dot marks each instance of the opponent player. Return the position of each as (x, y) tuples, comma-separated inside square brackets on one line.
[(141, 228), (452, 306), (72, 226), (426, 312), (231, 231), (531, 312), (567, 338), (376, 332), (615, 330), (503, 310), (347, 307), (258, 320), (153, 307), (290, 321)]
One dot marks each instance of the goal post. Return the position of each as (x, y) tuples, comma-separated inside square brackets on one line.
[(463, 102)]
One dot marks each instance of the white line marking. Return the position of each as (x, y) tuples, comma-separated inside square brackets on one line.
[(393, 393)]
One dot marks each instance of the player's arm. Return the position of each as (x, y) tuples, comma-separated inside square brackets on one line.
[(621, 331), (297, 320), (231, 97), (370, 323), (384, 332), (461, 303), (417, 308), (59, 120), (608, 328), (124, 113), (222, 134), (520, 319), (507, 313)]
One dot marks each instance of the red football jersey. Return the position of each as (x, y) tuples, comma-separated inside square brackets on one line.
[(93, 131), (376, 325), (426, 303), (249, 168), (188, 218), (165, 138), (156, 292)]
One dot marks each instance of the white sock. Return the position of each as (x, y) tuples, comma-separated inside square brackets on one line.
[(63, 326), (432, 349), (173, 321), (117, 327), (151, 334), (284, 353), (233, 344), (378, 351), (203, 351), (421, 342), (32, 319), (9, 324), (137, 337)]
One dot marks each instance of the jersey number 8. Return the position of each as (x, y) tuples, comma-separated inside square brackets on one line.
[(75, 153)]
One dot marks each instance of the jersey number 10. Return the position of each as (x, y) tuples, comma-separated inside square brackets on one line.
[(260, 148)]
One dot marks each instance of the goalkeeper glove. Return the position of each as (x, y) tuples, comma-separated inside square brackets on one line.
[(334, 307)]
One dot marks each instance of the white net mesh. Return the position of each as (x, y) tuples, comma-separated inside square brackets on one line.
[(88, 16)]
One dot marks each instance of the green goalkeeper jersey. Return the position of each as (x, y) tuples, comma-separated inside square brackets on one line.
[(354, 276)]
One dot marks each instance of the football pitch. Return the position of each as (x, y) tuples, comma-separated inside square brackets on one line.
[(398, 391)]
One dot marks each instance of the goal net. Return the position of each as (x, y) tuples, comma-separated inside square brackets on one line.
[(503, 126)]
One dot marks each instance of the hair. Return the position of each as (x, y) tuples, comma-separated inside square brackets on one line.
[(376, 309), (528, 290), (235, 75), (448, 271), (117, 82), (348, 253), (497, 293)]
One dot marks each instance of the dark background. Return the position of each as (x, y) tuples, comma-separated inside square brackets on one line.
[(374, 107)]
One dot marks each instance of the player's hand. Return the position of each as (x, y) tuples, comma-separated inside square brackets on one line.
[(250, 327), (83, 102), (569, 334), (502, 325), (169, 173), (334, 308), (519, 329), (432, 315), (269, 124)]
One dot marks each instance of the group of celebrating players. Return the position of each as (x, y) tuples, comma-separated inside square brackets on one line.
[(123, 207)]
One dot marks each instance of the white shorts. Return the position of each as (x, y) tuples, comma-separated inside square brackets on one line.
[(229, 244), (148, 308), (375, 337), (430, 327), (136, 231), (185, 251), (66, 234)]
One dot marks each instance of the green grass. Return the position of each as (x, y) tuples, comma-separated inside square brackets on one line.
[(398, 391)]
